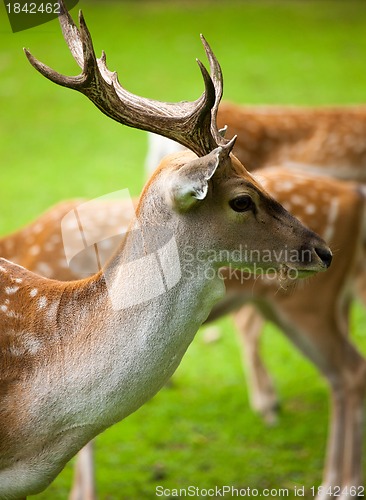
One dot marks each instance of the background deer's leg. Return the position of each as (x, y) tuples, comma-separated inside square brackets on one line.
[(320, 336), (344, 449), (84, 483), (262, 395)]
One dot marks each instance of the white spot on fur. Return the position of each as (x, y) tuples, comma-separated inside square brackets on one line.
[(13, 314), (3, 270), (10, 290), (49, 247), (17, 351), (286, 186), (34, 250), (297, 199), (38, 228), (32, 344), (332, 216), (55, 239), (52, 310), (26, 343), (310, 209), (18, 280), (4, 308), (33, 292), (42, 302)]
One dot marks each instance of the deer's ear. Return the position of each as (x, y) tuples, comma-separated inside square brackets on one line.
[(189, 184)]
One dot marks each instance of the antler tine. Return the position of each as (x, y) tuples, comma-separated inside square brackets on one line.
[(218, 81), (71, 34), (188, 123), (81, 48)]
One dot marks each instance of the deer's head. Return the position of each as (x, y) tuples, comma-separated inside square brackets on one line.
[(206, 193)]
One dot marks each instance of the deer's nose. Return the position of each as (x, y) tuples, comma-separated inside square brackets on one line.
[(325, 255)]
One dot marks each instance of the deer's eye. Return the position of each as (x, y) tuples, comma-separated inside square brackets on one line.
[(242, 203)]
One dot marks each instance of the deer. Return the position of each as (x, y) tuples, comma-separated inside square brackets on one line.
[(318, 329), (78, 356)]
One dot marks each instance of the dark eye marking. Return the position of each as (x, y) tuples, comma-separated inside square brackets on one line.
[(242, 203)]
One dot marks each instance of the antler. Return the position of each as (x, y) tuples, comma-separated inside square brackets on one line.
[(192, 124)]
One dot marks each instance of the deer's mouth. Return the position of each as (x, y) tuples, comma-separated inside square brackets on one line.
[(305, 273), (302, 271), (285, 272)]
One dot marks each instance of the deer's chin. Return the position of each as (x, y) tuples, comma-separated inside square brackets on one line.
[(287, 272), (306, 273)]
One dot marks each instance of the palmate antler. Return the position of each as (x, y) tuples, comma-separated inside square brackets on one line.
[(192, 124)]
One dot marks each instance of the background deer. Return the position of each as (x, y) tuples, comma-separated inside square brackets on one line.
[(79, 356), (327, 140), (324, 140)]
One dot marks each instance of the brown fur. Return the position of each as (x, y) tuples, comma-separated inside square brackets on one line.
[(332, 138)]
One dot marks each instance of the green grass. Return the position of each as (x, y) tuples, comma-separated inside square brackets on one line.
[(55, 145)]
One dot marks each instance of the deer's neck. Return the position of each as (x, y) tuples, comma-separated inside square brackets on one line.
[(154, 304)]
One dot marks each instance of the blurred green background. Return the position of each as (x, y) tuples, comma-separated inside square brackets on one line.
[(54, 145)]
